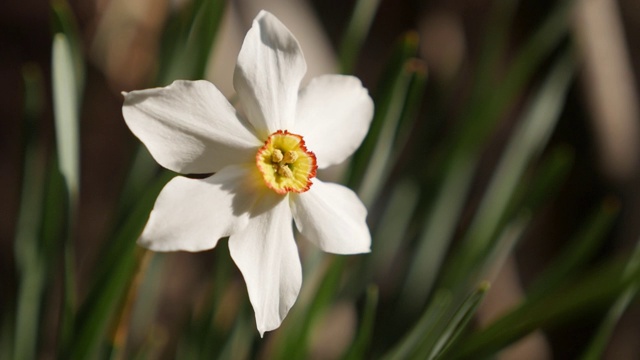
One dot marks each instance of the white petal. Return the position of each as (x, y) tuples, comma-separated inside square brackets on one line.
[(267, 255), (189, 127), (268, 74), (333, 115), (193, 214), (333, 217)]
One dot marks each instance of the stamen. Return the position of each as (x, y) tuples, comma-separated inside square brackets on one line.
[(277, 156), (290, 157), (283, 170)]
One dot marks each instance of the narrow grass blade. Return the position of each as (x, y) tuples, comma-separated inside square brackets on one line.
[(146, 305), (478, 124), (238, 345), (296, 338), (423, 329), (188, 41), (66, 107), (142, 171), (109, 289), (506, 242), (121, 323), (545, 181), (216, 333), (527, 142), (360, 345), (210, 329), (64, 22), (381, 161), (436, 236), (493, 47), (31, 261), (599, 342), (458, 321), (578, 251), (7, 335), (393, 226), (483, 113), (386, 99), (592, 292), (359, 24)]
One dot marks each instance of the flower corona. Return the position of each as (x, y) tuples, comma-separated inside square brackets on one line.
[(285, 163)]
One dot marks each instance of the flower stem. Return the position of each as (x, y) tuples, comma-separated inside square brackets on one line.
[(120, 329)]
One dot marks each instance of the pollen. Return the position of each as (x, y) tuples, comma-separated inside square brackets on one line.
[(285, 163), (277, 156)]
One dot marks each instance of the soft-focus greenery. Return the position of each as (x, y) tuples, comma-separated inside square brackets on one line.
[(417, 192)]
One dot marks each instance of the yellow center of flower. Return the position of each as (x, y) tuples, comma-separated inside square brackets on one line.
[(285, 163)]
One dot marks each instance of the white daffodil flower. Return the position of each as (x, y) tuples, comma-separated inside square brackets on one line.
[(264, 162)]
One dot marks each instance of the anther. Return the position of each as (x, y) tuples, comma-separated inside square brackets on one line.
[(290, 157), (283, 170), (277, 156)]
